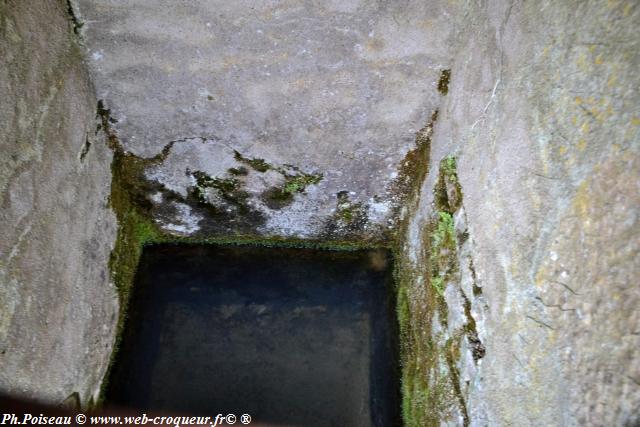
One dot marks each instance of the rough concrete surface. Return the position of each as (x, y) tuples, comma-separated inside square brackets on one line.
[(57, 306), (337, 89), (298, 118), (542, 116)]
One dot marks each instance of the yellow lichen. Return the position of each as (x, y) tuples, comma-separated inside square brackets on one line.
[(580, 201)]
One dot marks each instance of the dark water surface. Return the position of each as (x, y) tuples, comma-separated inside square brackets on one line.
[(289, 336)]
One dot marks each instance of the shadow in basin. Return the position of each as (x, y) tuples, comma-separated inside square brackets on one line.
[(289, 336)]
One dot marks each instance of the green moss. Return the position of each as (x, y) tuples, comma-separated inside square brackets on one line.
[(430, 380), (449, 168), (298, 183), (415, 165), (204, 180), (257, 164), (443, 82), (228, 188), (403, 309), (276, 198), (134, 231), (346, 214), (419, 397), (438, 284), (444, 234), (448, 192), (442, 251), (350, 218), (223, 202), (423, 388), (274, 242), (241, 171), (295, 181), (426, 358), (422, 409), (279, 197), (353, 216)]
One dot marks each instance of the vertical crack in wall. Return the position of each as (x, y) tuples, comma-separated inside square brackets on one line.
[(75, 22), (85, 148)]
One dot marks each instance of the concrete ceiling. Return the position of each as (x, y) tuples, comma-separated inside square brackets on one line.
[(337, 88)]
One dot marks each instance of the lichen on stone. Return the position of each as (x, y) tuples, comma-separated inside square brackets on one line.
[(256, 164), (295, 181), (350, 218), (443, 82)]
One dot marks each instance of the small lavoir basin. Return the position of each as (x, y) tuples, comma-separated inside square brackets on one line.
[(288, 336)]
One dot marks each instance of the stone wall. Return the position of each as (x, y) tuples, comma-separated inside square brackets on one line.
[(57, 306), (517, 298), (519, 291)]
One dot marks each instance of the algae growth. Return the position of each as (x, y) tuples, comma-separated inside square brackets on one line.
[(430, 377), (443, 83)]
